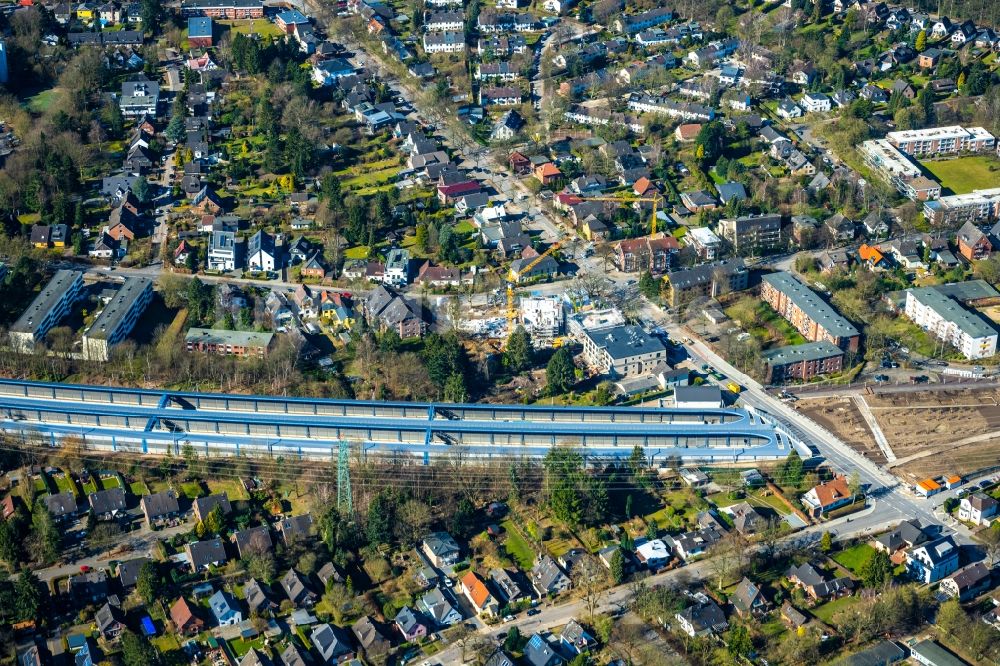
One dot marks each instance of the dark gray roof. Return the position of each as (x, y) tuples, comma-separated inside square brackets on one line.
[(160, 504), (705, 616), (120, 307), (882, 654), (51, 294), (809, 351), (252, 540), (108, 615), (697, 394), (107, 501), (128, 570), (811, 304), (206, 552), (699, 275), (204, 505), (623, 342), (295, 527), (61, 504)]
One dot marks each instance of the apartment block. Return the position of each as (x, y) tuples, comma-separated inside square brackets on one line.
[(622, 351), (118, 318), (898, 170), (978, 206), (752, 233), (707, 281), (51, 305), (943, 140), (229, 343), (811, 316), (945, 318), (803, 362), (224, 9)]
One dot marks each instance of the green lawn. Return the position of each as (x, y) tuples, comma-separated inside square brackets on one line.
[(240, 646), (831, 608), (138, 488), (465, 227), (359, 252), (109, 482), (854, 557), (165, 643), (90, 486), (965, 174), (191, 489), (64, 483), (517, 547), (232, 487), (41, 102), (262, 27)]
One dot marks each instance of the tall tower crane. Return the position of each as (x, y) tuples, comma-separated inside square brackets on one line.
[(512, 279), (656, 200)]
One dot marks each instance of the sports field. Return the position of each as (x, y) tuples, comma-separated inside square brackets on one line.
[(965, 174)]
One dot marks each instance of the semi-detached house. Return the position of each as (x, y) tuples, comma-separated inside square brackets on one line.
[(447, 41)]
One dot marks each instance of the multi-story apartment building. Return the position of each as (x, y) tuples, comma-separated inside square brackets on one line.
[(224, 9), (645, 254), (224, 251), (641, 103), (622, 351), (118, 318), (948, 320), (943, 140), (45, 312), (708, 281), (803, 361), (444, 20), (898, 170), (633, 23), (978, 206), (447, 41), (807, 312), (230, 343), (752, 233)]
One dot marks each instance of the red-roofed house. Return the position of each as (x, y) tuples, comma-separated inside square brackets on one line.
[(564, 201), (642, 254), (519, 164), (828, 496), (687, 132), (449, 193), (477, 594), (547, 173), (644, 187), (182, 252)]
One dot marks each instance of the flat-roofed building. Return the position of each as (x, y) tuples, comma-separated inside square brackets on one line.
[(752, 233), (803, 361), (898, 170), (948, 320), (118, 318), (622, 351), (943, 140), (977, 206), (224, 9), (235, 343), (45, 312), (811, 316)]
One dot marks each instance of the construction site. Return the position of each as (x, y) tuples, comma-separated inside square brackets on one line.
[(916, 434)]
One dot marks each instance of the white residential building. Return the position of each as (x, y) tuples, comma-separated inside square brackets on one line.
[(542, 316), (705, 242), (448, 41), (48, 309), (118, 318), (948, 320), (816, 103), (943, 140)]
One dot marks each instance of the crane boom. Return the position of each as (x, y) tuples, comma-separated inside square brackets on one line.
[(513, 279)]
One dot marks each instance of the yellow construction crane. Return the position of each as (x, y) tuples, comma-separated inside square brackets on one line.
[(656, 200), (513, 279)]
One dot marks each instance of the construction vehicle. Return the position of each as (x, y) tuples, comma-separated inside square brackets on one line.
[(512, 279), (733, 387), (656, 200)]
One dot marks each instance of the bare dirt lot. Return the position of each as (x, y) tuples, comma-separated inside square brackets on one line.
[(931, 432), (841, 417)]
